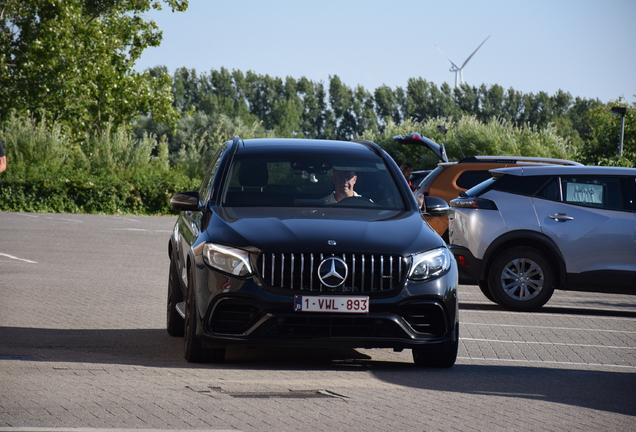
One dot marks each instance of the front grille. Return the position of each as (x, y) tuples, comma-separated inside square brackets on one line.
[(367, 273)]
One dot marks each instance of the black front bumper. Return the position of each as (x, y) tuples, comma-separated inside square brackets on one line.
[(243, 312), (236, 320)]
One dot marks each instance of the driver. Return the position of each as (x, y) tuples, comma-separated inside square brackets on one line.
[(343, 182)]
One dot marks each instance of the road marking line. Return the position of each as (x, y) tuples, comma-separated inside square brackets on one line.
[(64, 219), (546, 361), (550, 328), (16, 258), (550, 314), (50, 217), (547, 343)]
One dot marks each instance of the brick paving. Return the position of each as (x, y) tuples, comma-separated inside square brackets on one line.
[(83, 348)]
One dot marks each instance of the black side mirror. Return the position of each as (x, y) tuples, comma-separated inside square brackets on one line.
[(434, 206), (186, 201)]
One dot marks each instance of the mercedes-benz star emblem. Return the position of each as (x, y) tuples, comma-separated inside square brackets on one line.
[(332, 272)]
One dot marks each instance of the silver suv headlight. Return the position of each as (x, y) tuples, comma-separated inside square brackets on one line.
[(227, 259), (430, 264)]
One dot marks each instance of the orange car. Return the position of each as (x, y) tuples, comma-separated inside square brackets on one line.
[(450, 178)]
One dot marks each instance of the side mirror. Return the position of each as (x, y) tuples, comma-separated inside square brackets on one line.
[(186, 201), (434, 206)]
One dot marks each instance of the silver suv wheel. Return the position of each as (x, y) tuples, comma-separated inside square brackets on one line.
[(521, 278)]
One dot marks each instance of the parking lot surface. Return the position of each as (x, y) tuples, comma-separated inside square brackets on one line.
[(83, 346)]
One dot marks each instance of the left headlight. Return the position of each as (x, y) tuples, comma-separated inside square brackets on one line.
[(430, 264), (227, 259)]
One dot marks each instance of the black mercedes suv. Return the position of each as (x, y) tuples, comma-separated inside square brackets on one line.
[(312, 243)]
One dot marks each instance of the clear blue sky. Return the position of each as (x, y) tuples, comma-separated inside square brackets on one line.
[(584, 47)]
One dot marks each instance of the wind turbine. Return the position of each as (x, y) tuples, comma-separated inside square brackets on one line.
[(459, 71)]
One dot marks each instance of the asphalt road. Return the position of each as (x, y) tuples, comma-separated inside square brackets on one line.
[(83, 347)]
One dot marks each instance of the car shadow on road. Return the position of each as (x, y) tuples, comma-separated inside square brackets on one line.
[(150, 348), (613, 391)]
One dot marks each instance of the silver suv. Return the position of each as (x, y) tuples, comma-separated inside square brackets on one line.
[(530, 230)]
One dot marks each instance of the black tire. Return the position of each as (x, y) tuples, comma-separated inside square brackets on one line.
[(521, 278), (437, 357), (174, 322), (194, 351), (485, 289)]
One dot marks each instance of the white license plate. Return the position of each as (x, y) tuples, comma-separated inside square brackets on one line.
[(342, 304)]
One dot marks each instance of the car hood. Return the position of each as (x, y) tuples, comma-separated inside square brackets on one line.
[(315, 230)]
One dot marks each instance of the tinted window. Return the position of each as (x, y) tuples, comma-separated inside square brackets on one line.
[(520, 185), (291, 180), (551, 190), (479, 189), (205, 191), (602, 192), (469, 179)]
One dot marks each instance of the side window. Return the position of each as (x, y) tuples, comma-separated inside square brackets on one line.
[(550, 190), (602, 192), (526, 185), (206, 185), (468, 179)]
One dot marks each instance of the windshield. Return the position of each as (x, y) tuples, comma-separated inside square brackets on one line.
[(288, 180)]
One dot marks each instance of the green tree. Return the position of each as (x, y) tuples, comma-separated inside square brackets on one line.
[(386, 106), (73, 59), (316, 119), (185, 89), (341, 100), (492, 102), (467, 99), (513, 106), (364, 111), (578, 113), (603, 145)]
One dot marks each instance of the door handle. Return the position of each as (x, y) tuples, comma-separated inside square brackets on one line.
[(561, 217)]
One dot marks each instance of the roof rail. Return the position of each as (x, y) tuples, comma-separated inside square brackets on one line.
[(515, 159)]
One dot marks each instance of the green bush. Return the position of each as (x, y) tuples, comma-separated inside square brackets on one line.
[(110, 173), (116, 172), (467, 136)]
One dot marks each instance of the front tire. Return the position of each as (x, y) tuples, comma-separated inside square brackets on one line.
[(521, 278), (437, 357), (174, 322), (194, 351)]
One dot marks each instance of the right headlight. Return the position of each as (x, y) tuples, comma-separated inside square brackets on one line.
[(430, 264), (227, 259)]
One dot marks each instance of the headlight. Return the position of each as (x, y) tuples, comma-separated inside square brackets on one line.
[(430, 264), (227, 259)]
